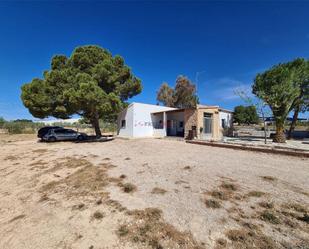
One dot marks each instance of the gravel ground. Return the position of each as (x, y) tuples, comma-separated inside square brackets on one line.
[(47, 202)]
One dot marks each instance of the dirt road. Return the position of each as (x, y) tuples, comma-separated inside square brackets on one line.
[(149, 193)]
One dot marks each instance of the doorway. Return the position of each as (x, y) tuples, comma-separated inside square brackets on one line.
[(207, 129)]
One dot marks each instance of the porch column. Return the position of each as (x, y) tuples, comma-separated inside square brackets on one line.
[(164, 124)]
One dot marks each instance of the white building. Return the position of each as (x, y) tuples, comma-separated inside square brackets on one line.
[(137, 120), (203, 122)]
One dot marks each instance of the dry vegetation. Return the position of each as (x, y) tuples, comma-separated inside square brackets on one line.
[(157, 190), (148, 228)]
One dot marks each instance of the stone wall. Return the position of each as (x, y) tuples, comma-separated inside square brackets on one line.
[(190, 119)]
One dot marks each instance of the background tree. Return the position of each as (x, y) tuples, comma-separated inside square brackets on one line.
[(182, 96), (278, 88), (301, 103), (185, 93), (251, 115), (239, 115), (91, 83), (165, 95), (246, 115), (260, 108)]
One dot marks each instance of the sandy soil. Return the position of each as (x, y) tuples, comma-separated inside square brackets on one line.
[(149, 193)]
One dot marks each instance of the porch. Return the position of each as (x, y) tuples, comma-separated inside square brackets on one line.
[(168, 123)]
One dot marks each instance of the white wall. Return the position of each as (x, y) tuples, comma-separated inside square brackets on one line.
[(127, 115), (143, 122), (227, 116), (139, 122)]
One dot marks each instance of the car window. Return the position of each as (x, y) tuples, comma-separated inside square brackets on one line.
[(59, 131), (70, 131)]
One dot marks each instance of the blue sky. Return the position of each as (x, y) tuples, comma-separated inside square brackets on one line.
[(229, 42)]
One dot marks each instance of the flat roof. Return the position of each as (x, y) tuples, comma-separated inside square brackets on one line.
[(174, 110)]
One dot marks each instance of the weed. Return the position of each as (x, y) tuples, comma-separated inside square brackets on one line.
[(295, 206), (40, 151), (220, 195), (229, 186), (128, 187), (123, 230), (269, 178), (304, 218), (158, 191), (220, 243), (98, 215), (256, 194), (212, 203), (269, 217), (79, 206), (266, 204)]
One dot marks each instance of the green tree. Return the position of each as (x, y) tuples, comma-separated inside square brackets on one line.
[(251, 115), (279, 87), (239, 115), (91, 83), (245, 115), (182, 96), (301, 103)]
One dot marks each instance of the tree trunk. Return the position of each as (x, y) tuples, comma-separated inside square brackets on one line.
[(293, 124), (96, 126), (279, 136)]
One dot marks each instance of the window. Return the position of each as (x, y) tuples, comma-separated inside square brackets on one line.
[(123, 123), (223, 123), (59, 131), (181, 124)]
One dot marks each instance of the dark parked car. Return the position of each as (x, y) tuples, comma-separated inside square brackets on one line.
[(44, 130), (61, 134)]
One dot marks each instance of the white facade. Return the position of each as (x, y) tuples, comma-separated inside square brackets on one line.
[(226, 118), (137, 120)]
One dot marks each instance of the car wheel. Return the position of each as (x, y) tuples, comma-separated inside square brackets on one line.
[(52, 139), (80, 138)]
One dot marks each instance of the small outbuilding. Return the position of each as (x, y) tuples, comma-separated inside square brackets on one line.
[(203, 122)]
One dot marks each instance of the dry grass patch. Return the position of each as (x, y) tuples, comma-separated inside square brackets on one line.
[(265, 204), (220, 243), (270, 217), (269, 178), (11, 158), (148, 228), (255, 194), (98, 215), (210, 203), (89, 180), (160, 191), (127, 187), (249, 238), (80, 206), (296, 207), (221, 195), (229, 186), (40, 151)]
